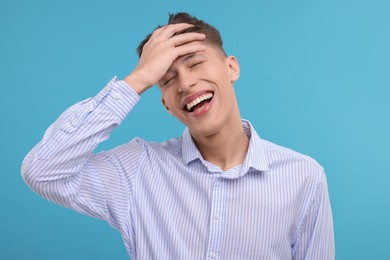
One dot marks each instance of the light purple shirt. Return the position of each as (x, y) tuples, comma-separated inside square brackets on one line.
[(170, 203)]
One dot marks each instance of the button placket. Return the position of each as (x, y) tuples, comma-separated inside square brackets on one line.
[(216, 224)]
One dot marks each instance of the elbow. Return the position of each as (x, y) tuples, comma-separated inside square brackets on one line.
[(27, 173), (29, 170)]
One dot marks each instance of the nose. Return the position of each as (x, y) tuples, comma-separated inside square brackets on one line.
[(186, 81)]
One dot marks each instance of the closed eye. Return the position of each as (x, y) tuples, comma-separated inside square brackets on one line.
[(166, 82), (196, 64)]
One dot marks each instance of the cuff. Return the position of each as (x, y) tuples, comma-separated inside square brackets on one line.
[(118, 96)]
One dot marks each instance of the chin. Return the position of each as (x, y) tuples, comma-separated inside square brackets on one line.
[(205, 129)]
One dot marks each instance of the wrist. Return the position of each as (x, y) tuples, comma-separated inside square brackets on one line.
[(137, 83)]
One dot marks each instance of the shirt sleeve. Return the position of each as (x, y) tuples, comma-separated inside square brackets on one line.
[(315, 239), (63, 168)]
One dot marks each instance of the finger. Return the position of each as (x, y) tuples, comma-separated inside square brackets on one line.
[(170, 29), (191, 47), (186, 38), (157, 31)]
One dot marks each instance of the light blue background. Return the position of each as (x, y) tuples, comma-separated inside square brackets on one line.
[(315, 78)]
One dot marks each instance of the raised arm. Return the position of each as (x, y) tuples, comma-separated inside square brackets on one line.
[(62, 166)]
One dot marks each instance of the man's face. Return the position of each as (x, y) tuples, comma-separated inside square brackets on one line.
[(198, 90)]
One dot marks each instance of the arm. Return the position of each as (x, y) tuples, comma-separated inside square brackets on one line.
[(64, 169), (315, 239)]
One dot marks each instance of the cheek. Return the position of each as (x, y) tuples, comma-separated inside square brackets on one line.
[(223, 73), (170, 98)]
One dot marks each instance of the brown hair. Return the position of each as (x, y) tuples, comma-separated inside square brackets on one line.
[(213, 36)]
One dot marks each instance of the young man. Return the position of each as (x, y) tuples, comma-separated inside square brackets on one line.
[(217, 192)]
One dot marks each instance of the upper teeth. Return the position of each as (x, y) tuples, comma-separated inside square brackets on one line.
[(198, 100)]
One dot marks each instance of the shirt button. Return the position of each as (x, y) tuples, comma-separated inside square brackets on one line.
[(74, 122), (216, 216), (213, 255), (118, 96)]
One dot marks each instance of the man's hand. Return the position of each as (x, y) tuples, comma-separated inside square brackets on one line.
[(161, 50)]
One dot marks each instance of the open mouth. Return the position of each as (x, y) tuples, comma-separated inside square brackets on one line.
[(199, 103)]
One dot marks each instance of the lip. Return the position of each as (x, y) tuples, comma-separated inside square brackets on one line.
[(192, 97), (205, 109)]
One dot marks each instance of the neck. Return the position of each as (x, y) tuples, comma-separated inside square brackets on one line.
[(225, 149)]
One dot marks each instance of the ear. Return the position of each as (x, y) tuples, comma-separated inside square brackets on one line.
[(166, 107), (234, 68)]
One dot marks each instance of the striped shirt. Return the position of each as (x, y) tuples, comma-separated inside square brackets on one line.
[(170, 203)]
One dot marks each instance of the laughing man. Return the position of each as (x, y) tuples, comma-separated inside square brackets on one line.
[(217, 192)]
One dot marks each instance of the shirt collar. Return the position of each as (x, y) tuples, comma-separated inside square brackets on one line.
[(255, 157)]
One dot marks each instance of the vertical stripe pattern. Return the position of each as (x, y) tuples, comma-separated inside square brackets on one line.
[(170, 203)]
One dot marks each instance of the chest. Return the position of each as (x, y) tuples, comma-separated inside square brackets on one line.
[(192, 212)]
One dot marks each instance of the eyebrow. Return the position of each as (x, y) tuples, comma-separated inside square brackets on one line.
[(191, 56)]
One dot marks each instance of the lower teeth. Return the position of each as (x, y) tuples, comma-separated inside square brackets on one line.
[(201, 108)]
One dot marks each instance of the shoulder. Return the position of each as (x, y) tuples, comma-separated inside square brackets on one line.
[(287, 153), (284, 159)]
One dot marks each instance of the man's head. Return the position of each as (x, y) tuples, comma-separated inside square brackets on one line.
[(198, 86), (213, 36)]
